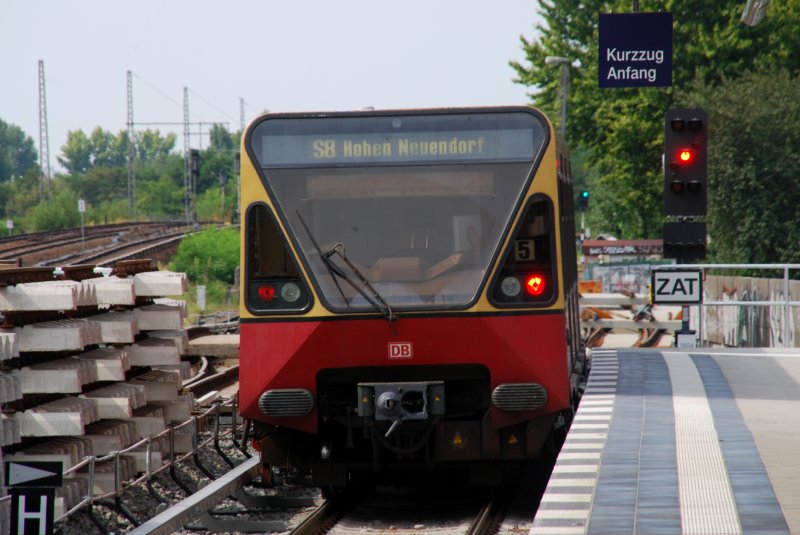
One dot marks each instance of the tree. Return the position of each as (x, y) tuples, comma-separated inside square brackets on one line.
[(17, 152), (20, 195), (223, 140), (214, 165), (623, 128), (101, 184), (104, 149), (754, 189), (76, 153), (162, 198), (151, 145)]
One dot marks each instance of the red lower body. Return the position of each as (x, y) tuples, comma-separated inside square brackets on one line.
[(514, 348)]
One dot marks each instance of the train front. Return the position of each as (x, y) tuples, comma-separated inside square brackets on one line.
[(402, 294)]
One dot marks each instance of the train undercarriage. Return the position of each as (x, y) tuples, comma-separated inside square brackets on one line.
[(368, 425)]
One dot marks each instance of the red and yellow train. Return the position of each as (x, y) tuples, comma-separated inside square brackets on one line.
[(408, 293)]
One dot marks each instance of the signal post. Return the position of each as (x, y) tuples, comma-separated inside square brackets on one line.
[(685, 183), (685, 207)]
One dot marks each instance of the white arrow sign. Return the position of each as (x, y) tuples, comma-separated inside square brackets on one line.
[(20, 473)]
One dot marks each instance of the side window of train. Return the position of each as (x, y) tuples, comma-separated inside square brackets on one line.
[(274, 283), (526, 275)]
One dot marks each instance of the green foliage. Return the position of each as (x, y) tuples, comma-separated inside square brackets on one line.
[(209, 255), (17, 152), (20, 195), (214, 165), (220, 296), (82, 153), (754, 188), (107, 212), (60, 212), (222, 140), (623, 128), (97, 171), (160, 199), (211, 206), (102, 148), (150, 145), (100, 184)]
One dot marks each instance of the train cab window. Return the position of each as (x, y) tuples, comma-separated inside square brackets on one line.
[(527, 274), (413, 207), (273, 281)]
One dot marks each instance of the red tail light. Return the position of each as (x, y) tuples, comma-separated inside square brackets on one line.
[(266, 292), (535, 285)]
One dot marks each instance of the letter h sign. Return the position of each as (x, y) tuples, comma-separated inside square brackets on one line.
[(32, 486)]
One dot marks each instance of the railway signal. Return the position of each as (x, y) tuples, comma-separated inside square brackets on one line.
[(583, 201), (685, 183), (685, 240), (685, 162)]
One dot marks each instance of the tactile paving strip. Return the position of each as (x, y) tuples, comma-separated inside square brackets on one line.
[(658, 446), (565, 506)]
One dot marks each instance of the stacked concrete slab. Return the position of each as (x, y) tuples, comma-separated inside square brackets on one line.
[(65, 376), (57, 336), (113, 290), (46, 296), (106, 360), (117, 326), (111, 363), (10, 389)]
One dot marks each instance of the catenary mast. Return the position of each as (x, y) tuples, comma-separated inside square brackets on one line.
[(131, 149), (44, 144)]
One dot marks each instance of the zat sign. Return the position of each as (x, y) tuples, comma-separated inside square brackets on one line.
[(677, 287), (401, 350)]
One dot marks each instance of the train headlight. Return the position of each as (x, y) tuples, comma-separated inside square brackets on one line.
[(510, 286), (290, 292)]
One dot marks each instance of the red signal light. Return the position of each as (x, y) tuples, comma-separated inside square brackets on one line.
[(685, 155), (266, 292), (535, 285)]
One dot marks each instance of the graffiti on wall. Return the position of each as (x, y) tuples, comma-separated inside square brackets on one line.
[(750, 326), (622, 278), (731, 325)]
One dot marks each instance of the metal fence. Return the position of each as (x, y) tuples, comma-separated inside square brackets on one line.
[(779, 307)]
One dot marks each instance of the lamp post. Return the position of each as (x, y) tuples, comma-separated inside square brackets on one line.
[(565, 63)]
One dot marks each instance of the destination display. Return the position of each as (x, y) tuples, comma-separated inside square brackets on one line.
[(391, 147)]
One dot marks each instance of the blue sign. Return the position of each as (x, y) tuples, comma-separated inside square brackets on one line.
[(635, 50)]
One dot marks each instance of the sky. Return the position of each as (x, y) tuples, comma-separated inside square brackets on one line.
[(277, 55)]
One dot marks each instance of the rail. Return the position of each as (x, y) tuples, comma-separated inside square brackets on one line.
[(786, 303), (91, 498)]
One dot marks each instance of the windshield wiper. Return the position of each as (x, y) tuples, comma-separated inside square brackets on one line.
[(376, 300), (333, 269)]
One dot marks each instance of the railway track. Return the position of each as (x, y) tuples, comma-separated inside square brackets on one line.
[(99, 245), (232, 503), (384, 509)]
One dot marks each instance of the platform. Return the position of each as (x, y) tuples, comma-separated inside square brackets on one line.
[(667, 442)]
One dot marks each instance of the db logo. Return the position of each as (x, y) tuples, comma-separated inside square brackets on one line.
[(401, 350)]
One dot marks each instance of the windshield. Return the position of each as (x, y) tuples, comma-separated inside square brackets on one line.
[(422, 235)]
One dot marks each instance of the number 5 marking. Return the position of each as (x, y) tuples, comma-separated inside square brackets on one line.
[(524, 251)]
